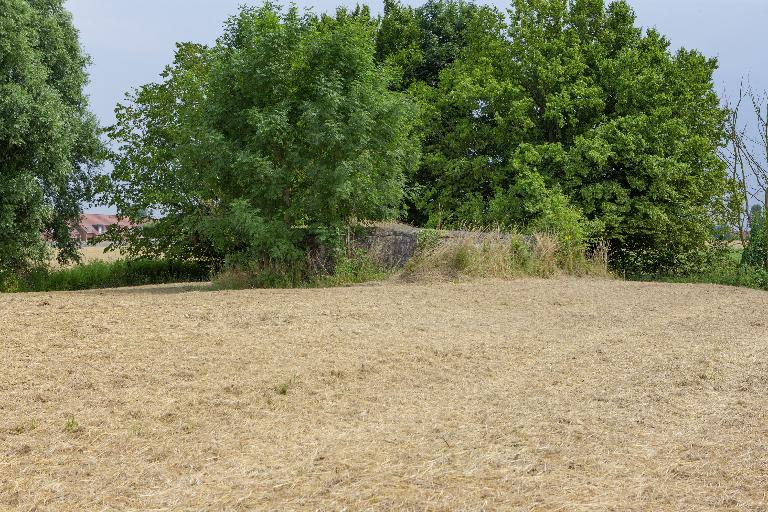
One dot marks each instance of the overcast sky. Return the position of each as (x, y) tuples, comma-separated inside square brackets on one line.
[(131, 41)]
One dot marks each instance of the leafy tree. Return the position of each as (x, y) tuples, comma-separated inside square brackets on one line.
[(398, 41), (251, 150), (604, 113), (49, 141), (425, 40)]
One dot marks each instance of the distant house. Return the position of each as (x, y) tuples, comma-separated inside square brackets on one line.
[(94, 224)]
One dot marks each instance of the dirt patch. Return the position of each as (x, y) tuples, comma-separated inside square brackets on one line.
[(530, 394)]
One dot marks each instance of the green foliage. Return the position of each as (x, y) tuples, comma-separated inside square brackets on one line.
[(257, 274), (718, 264), (99, 274), (354, 268), (599, 118), (531, 203), (421, 42), (264, 145), (756, 251), (48, 140), (749, 277), (427, 239), (562, 118), (398, 42), (351, 266), (744, 276)]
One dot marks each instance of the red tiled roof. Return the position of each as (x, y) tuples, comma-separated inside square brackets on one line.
[(93, 219), (91, 222)]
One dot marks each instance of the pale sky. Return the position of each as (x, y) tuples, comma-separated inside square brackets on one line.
[(131, 41)]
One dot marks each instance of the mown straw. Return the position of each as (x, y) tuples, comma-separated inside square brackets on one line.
[(560, 394)]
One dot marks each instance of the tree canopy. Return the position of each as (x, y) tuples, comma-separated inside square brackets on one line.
[(285, 130), (570, 100), (558, 115), (49, 142)]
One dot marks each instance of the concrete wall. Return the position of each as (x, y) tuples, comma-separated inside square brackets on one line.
[(394, 244)]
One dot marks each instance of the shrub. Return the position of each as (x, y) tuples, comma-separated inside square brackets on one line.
[(354, 267), (740, 275), (530, 203), (261, 274)]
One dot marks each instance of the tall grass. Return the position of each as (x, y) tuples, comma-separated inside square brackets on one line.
[(721, 263), (100, 274), (471, 255), (500, 255), (742, 276), (350, 267)]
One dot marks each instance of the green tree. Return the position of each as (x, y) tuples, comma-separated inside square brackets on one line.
[(398, 42), (49, 142), (606, 114), (423, 41), (283, 132)]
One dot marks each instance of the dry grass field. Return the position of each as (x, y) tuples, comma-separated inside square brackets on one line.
[(493, 395), (97, 252), (91, 253)]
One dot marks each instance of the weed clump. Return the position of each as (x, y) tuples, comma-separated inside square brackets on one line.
[(283, 388), (72, 426)]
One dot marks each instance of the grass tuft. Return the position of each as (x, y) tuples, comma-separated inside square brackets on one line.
[(284, 387), (72, 426)]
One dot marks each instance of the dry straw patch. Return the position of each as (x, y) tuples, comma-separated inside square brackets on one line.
[(559, 394), (91, 253)]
